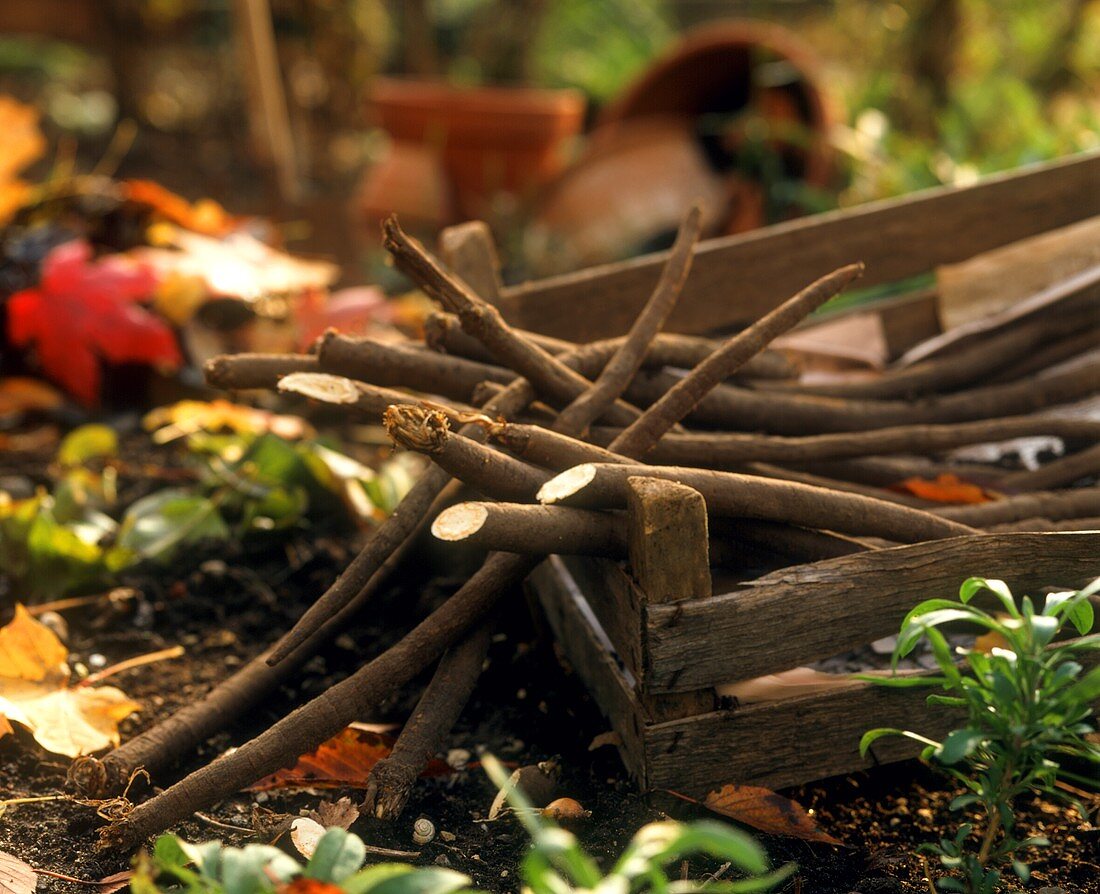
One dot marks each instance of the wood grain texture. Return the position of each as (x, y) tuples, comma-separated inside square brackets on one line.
[(808, 612), (616, 601), (669, 558), (469, 250), (737, 279), (789, 742), (593, 662)]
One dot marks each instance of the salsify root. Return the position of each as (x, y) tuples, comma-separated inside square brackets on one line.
[(604, 486), (537, 530), (392, 778)]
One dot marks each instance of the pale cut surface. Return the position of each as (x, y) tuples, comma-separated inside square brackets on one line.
[(320, 386), (459, 522), (567, 483)]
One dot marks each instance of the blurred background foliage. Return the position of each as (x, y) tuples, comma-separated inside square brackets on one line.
[(928, 91)]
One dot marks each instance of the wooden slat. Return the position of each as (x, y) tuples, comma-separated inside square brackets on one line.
[(670, 560), (737, 279), (616, 602), (788, 742), (807, 612), (591, 660), (468, 249), (794, 741)]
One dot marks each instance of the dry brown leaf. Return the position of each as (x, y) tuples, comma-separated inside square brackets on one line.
[(116, 882), (21, 143), (16, 877), (344, 761), (340, 813), (34, 693), (608, 738), (20, 394), (766, 811)]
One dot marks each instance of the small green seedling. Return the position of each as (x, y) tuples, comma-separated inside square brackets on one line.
[(1028, 706), (556, 864), (211, 868)]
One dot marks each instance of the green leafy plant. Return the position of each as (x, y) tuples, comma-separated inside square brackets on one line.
[(1028, 708), (246, 482), (556, 864), (210, 868)]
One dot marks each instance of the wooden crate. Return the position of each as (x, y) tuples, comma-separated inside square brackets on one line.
[(652, 637), (652, 663)]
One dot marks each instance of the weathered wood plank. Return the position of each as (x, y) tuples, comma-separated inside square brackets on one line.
[(794, 741), (807, 612), (469, 250), (592, 661), (616, 601), (789, 742), (670, 560), (737, 279)]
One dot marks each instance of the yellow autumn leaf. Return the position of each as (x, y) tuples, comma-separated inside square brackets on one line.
[(189, 416), (21, 143), (35, 693)]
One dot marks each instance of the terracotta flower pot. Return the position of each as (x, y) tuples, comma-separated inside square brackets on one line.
[(489, 139), (729, 67)]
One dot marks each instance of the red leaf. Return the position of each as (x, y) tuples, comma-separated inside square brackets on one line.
[(344, 761), (83, 312)]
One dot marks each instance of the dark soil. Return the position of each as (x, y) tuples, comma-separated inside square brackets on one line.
[(224, 607)]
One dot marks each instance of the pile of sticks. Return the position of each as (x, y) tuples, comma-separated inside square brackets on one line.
[(555, 438)]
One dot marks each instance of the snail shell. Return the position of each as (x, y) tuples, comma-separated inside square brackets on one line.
[(423, 830)]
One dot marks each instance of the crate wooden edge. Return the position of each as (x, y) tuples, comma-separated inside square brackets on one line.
[(807, 612), (768, 745), (775, 745), (933, 227)]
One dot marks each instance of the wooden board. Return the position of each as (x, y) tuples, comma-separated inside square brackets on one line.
[(594, 664), (736, 279), (616, 602), (775, 745), (808, 612), (788, 742)]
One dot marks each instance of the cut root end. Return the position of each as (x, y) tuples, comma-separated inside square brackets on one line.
[(567, 483), (459, 522)]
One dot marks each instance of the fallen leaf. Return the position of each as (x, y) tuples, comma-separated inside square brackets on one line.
[(344, 761), (22, 394), (16, 877), (236, 266), (189, 416), (340, 813), (34, 692), (946, 488), (115, 882), (764, 810), (791, 683), (85, 311), (305, 833), (204, 216), (309, 886), (21, 143)]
